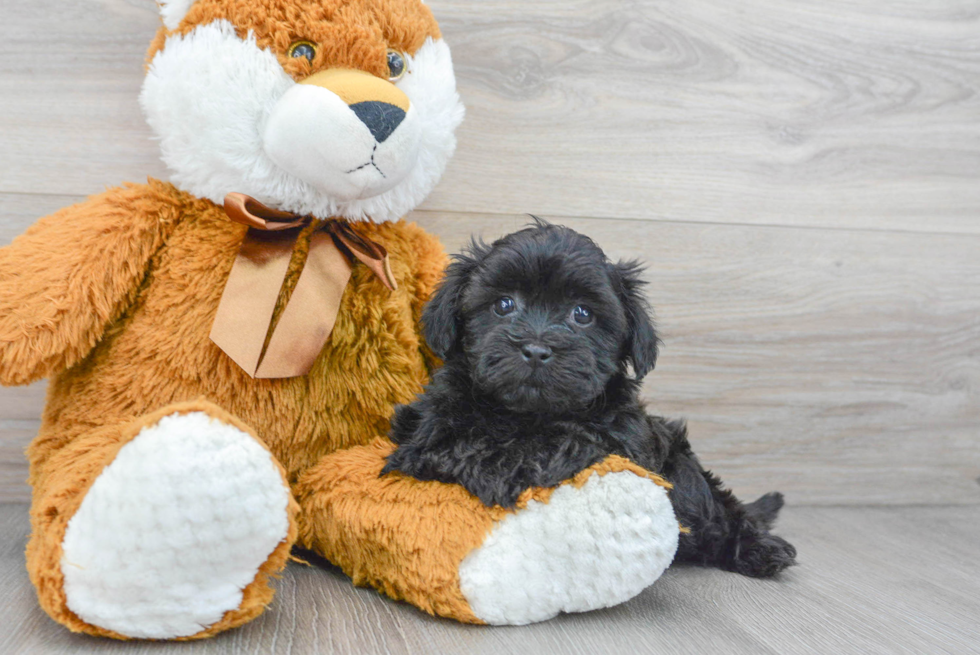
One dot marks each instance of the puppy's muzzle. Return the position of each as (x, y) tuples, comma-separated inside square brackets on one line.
[(536, 354)]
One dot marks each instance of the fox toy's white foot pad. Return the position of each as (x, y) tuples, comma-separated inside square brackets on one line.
[(174, 529), (586, 548)]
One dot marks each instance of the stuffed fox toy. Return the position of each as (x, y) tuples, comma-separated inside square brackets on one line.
[(226, 349)]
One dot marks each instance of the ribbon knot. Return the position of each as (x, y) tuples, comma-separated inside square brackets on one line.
[(243, 325)]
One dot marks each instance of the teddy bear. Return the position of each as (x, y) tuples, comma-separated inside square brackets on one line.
[(225, 349)]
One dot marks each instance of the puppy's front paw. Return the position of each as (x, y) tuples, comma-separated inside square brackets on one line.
[(762, 555)]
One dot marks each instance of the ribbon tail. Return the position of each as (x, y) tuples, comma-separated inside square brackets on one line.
[(241, 323), (371, 254), (309, 317)]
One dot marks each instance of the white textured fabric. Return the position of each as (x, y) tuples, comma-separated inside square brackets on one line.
[(173, 529), (173, 11), (586, 548), (313, 135), (211, 98)]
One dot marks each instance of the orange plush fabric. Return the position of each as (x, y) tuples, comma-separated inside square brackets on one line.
[(95, 255), (141, 341), (400, 535), (114, 297), (139, 350), (352, 33), (403, 536)]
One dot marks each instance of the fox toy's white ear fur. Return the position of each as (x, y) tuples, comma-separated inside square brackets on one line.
[(173, 11)]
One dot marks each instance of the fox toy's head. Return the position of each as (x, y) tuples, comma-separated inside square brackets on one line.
[(324, 107)]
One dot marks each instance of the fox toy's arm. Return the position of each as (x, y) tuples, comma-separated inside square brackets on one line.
[(72, 273)]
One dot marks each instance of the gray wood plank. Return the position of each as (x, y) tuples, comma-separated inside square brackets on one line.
[(871, 580), (841, 114), (69, 117), (844, 114), (14, 438), (22, 403), (835, 366)]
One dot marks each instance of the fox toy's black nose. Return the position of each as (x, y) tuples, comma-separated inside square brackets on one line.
[(535, 353), (380, 117)]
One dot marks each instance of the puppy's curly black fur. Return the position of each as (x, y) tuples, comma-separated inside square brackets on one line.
[(545, 343)]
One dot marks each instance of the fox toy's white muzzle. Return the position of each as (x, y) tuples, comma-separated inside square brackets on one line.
[(345, 132), (339, 143)]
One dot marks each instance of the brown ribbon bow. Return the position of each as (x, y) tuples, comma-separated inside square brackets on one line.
[(243, 327)]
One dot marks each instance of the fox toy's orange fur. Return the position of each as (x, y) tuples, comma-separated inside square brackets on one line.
[(353, 34), (147, 263), (113, 300), (155, 288)]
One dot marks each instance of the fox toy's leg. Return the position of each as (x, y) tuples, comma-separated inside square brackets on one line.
[(166, 527), (595, 541)]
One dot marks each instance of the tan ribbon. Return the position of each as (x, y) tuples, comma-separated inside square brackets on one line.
[(242, 324)]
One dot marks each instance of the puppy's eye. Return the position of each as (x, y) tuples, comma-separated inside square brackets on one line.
[(302, 49), (504, 306), (582, 315), (396, 65)]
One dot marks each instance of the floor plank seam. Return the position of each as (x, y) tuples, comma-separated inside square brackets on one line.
[(71, 198), (46, 194), (555, 218)]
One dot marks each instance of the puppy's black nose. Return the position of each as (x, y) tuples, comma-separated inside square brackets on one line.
[(535, 353), (380, 117)]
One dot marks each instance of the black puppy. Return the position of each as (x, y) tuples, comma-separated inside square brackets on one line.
[(538, 333)]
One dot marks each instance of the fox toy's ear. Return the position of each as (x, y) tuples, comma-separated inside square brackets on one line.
[(173, 11), (641, 344), (442, 319)]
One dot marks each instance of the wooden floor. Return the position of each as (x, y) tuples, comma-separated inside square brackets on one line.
[(802, 180), (871, 580)]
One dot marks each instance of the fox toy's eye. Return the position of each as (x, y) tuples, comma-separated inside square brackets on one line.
[(504, 306), (396, 65), (302, 49), (582, 315)]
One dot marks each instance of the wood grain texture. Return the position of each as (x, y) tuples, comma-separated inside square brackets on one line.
[(845, 114), (70, 76), (860, 588), (840, 367)]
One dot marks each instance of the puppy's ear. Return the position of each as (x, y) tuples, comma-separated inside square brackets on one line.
[(442, 323), (640, 347)]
